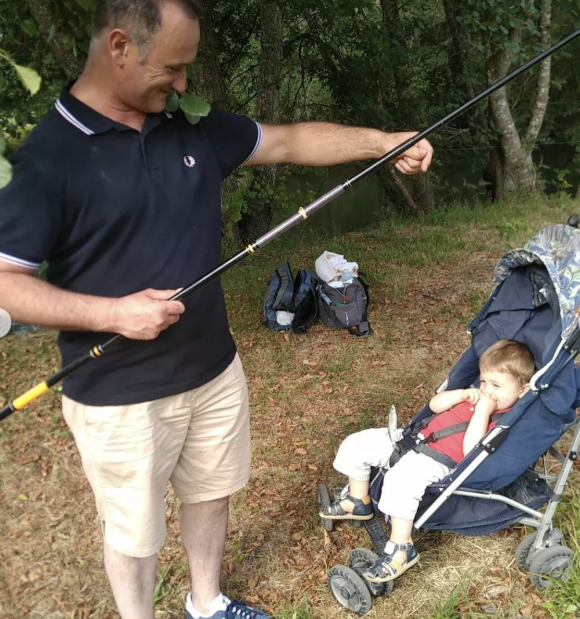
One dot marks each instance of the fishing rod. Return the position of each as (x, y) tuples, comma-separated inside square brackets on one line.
[(302, 214)]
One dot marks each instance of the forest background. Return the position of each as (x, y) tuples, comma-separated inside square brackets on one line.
[(389, 64)]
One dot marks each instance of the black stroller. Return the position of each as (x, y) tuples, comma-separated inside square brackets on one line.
[(536, 300)]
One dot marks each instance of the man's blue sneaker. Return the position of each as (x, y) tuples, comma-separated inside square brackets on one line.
[(232, 610)]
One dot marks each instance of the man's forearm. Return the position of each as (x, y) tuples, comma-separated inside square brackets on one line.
[(31, 300), (322, 144)]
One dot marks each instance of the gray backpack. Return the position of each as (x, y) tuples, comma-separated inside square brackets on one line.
[(345, 308)]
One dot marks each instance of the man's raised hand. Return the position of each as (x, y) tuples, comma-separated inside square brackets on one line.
[(417, 159)]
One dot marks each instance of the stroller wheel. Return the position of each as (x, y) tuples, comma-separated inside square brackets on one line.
[(361, 559), (549, 564), (349, 589), (323, 501), (524, 552)]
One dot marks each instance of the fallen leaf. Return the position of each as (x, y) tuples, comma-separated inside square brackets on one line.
[(527, 610), (313, 467), (22, 497), (497, 590), (301, 451), (295, 467)]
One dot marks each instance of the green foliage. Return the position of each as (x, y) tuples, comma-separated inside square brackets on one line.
[(453, 607), (388, 64), (194, 108), (19, 110), (5, 167), (30, 80), (250, 192), (29, 77)]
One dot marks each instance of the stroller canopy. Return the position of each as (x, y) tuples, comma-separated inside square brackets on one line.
[(557, 248)]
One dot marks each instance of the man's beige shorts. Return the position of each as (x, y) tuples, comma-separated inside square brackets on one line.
[(199, 440)]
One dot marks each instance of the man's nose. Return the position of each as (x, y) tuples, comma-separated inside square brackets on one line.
[(179, 84)]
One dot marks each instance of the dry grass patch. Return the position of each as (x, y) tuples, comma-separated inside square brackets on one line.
[(308, 392)]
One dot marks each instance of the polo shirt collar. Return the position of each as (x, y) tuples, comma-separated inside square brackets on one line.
[(91, 122)]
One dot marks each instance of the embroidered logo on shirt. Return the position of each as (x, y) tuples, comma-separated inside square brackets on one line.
[(189, 161)]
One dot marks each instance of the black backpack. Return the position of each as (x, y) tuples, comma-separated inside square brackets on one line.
[(287, 294), (345, 308)]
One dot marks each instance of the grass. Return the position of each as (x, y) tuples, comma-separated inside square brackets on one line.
[(428, 278)]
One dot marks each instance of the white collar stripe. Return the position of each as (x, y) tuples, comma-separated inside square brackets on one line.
[(71, 119), (258, 142), (18, 261)]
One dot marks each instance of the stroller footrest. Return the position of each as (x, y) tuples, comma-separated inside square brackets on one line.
[(377, 533)]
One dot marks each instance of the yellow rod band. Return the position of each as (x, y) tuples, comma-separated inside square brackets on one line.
[(97, 352), (303, 213), (30, 396), (251, 249)]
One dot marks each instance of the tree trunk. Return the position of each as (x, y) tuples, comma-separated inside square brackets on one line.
[(543, 92), (476, 117), (423, 188), (518, 168), (208, 77), (71, 64), (411, 205), (257, 220)]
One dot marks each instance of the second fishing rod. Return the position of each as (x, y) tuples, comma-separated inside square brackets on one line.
[(302, 214)]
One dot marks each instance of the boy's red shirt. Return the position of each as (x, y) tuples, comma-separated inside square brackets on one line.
[(452, 446)]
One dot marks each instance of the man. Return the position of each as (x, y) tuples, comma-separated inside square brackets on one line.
[(123, 201)]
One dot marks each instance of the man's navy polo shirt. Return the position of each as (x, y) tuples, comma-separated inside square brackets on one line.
[(113, 212)]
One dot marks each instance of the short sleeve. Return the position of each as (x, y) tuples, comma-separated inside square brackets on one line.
[(30, 213), (234, 139)]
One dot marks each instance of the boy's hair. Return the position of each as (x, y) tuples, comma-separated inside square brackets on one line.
[(509, 357)]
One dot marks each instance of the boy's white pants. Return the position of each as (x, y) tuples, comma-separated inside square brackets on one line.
[(404, 484)]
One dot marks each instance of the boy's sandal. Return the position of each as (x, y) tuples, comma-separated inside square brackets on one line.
[(362, 510), (387, 568)]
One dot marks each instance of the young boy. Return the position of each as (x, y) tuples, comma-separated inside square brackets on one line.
[(505, 371)]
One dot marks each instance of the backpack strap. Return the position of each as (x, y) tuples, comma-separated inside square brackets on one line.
[(363, 329), (285, 293)]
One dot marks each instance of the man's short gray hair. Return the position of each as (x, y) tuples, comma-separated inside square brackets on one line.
[(140, 18)]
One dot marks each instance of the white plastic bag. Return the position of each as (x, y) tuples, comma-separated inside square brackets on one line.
[(330, 266)]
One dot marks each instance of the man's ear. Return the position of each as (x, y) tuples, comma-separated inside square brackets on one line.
[(119, 42), (525, 389)]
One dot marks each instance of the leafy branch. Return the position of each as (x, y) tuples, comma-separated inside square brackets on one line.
[(31, 81)]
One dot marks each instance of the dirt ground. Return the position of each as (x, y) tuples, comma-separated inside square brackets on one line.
[(308, 392)]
